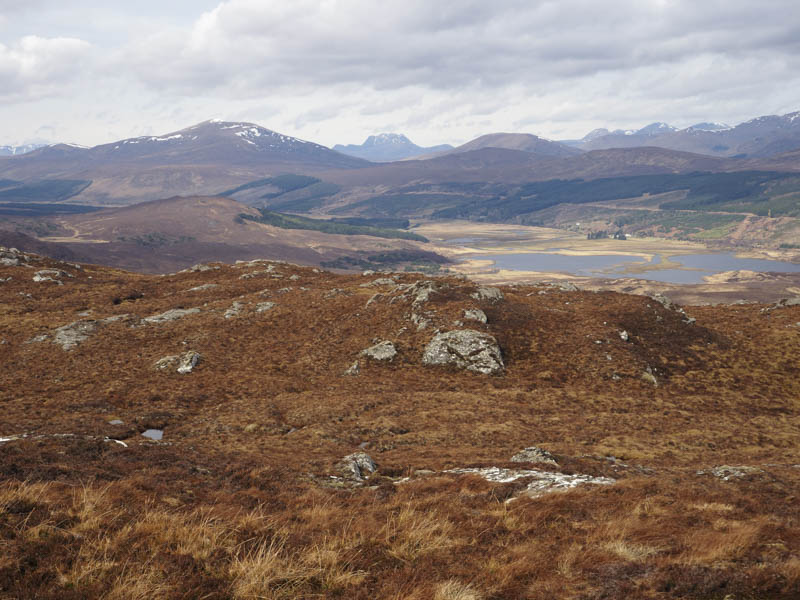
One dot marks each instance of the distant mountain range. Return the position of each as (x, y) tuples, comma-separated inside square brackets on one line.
[(248, 160), (386, 147), (757, 138)]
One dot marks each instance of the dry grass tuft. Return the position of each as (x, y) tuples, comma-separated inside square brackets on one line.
[(455, 590), (410, 534), (630, 551)]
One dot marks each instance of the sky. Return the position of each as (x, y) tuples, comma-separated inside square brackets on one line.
[(439, 71)]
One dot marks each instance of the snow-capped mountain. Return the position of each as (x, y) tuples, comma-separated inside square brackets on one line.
[(205, 158), (709, 127), (386, 147), (756, 138), (17, 150)]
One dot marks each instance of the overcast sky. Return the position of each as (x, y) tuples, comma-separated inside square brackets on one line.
[(336, 71)]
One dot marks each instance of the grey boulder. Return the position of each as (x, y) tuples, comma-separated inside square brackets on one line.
[(357, 467)]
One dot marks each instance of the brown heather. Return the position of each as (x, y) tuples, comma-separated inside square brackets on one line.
[(236, 501)]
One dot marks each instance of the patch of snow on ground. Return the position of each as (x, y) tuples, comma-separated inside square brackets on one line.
[(164, 139)]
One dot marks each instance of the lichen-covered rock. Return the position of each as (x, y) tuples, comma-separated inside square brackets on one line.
[(419, 292), (466, 349), (383, 351), (171, 315), (357, 467), (475, 314), (264, 306), (487, 294), (532, 454), (72, 334), (183, 363)]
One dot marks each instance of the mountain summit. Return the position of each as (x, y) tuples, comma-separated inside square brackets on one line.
[(386, 147)]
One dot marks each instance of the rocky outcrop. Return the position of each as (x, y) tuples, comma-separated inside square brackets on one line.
[(419, 292), (465, 349), (11, 257), (382, 351), (182, 363)]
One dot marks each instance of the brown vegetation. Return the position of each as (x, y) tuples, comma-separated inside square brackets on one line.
[(237, 499)]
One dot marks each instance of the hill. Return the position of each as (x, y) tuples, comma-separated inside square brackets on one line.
[(524, 142), (171, 234), (220, 433)]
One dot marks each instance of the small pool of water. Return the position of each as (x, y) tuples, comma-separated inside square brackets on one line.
[(153, 434), (694, 267)]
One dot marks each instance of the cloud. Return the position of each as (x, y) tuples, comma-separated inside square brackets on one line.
[(337, 70), (35, 67), (247, 46)]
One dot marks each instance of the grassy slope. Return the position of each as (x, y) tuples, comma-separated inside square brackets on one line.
[(234, 503)]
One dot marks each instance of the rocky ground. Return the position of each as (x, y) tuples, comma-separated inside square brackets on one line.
[(264, 430)]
